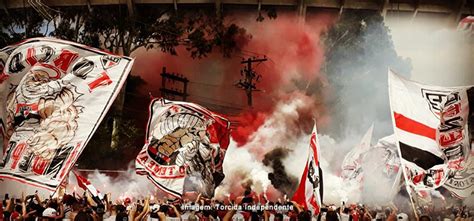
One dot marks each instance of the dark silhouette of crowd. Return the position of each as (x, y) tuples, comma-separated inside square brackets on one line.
[(248, 207)]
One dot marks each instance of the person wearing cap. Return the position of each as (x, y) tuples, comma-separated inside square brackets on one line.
[(50, 214), (402, 217)]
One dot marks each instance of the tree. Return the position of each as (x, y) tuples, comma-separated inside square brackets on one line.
[(112, 28), (359, 51), (18, 25)]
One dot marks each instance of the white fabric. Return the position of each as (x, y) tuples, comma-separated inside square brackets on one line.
[(180, 142), (351, 165), (53, 95), (425, 104)]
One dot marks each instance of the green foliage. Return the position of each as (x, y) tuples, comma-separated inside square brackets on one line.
[(112, 29), (98, 153), (131, 133)]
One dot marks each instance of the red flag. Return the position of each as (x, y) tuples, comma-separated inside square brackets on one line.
[(86, 185), (309, 192)]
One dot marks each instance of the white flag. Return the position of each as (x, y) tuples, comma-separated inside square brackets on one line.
[(53, 95), (183, 139), (431, 127), (352, 163), (309, 192)]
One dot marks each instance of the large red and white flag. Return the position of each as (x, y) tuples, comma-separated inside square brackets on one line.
[(183, 139), (431, 126), (310, 190), (53, 95)]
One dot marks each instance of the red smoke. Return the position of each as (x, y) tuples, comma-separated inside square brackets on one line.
[(295, 56), (248, 123), (294, 53)]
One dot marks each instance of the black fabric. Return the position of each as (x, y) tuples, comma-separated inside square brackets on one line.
[(470, 119), (422, 158), (321, 184)]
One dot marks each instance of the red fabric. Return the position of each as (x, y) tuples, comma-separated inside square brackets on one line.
[(414, 127), (355, 216), (14, 215), (300, 196), (82, 181), (1, 211), (246, 215)]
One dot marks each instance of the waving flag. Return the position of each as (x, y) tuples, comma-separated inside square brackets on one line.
[(183, 139), (466, 24), (310, 190), (86, 185), (351, 166), (391, 158), (431, 125), (53, 95)]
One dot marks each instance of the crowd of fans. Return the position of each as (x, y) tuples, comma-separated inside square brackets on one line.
[(248, 207)]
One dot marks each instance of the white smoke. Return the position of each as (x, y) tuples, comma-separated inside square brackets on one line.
[(243, 164), (281, 129), (124, 184), (440, 54)]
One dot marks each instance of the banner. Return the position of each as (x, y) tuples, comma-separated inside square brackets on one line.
[(351, 165), (53, 95), (431, 126), (391, 159), (310, 190), (183, 139)]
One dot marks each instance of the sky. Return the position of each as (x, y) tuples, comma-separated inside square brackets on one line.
[(439, 53)]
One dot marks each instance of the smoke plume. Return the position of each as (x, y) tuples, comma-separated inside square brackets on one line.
[(280, 179), (120, 184)]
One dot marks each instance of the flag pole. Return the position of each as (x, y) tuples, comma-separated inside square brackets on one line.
[(402, 166), (412, 202), (396, 184)]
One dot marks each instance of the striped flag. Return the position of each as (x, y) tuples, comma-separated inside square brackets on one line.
[(430, 124), (86, 185), (310, 190)]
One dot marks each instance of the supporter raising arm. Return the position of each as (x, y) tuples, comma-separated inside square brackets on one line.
[(145, 211)]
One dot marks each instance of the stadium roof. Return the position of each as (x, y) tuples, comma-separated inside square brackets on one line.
[(455, 8)]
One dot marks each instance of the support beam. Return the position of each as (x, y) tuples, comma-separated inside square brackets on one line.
[(458, 10), (417, 6), (131, 8), (341, 9), (218, 8), (175, 4), (302, 10), (445, 7), (384, 9), (3, 5)]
